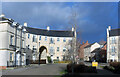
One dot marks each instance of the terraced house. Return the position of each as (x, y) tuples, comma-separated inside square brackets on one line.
[(20, 44), (113, 45)]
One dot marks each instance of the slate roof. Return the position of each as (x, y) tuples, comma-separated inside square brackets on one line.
[(54, 33), (6, 19), (114, 32)]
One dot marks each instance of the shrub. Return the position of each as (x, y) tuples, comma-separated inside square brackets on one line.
[(49, 59), (80, 68)]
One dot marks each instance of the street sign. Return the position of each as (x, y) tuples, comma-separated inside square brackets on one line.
[(94, 64)]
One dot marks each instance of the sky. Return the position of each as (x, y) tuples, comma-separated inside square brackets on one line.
[(92, 18)]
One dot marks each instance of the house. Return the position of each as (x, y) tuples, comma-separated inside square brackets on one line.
[(100, 53), (113, 45), (88, 49), (81, 50), (21, 44)]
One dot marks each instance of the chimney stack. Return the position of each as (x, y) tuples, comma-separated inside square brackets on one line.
[(72, 28), (2, 15), (25, 24), (48, 28), (109, 27), (82, 42)]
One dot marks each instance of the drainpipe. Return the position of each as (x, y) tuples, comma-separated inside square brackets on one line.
[(21, 28)]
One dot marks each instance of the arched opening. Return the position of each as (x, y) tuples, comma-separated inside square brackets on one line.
[(42, 55)]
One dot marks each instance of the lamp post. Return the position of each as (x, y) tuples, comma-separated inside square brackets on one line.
[(15, 24)]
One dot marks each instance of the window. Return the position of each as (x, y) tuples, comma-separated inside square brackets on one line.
[(51, 40), (40, 38), (11, 56), (64, 49), (57, 48), (45, 38), (28, 35), (113, 49), (23, 43), (34, 38), (51, 50), (64, 40), (11, 40), (113, 40), (39, 43), (58, 39)]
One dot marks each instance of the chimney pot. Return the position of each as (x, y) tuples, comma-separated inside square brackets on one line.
[(25, 24), (72, 28), (48, 28), (109, 27), (86, 41)]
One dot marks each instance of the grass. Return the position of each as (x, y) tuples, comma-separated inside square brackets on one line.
[(101, 66), (63, 72)]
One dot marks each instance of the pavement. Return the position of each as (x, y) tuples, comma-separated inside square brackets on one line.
[(48, 69)]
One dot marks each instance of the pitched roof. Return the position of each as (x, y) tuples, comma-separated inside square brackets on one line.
[(54, 33), (114, 32), (102, 42), (89, 45)]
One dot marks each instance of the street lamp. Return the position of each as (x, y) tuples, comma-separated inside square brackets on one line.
[(15, 24)]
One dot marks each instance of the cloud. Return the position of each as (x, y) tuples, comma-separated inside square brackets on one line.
[(92, 18)]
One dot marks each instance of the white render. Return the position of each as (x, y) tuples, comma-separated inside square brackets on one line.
[(112, 56), (47, 44), (7, 51), (6, 30), (88, 50)]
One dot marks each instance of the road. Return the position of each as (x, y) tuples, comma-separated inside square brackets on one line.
[(49, 69)]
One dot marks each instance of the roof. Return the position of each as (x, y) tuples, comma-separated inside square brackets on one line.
[(54, 33), (89, 45), (102, 42), (114, 32)]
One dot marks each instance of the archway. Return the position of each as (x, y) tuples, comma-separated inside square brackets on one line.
[(42, 50)]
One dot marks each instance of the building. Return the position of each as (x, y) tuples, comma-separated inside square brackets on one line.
[(113, 45), (88, 49), (12, 43), (81, 50), (100, 54), (21, 44), (48, 42)]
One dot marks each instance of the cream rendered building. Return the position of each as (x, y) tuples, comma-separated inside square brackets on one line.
[(113, 44), (53, 42), (12, 44), (19, 44)]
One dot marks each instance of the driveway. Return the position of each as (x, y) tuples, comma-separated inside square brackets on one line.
[(49, 69)]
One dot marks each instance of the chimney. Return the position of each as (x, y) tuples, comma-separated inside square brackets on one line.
[(72, 28), (109, 27), (25, 24), (82, 42), (2, 15), (86, 41), (48, 28)]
